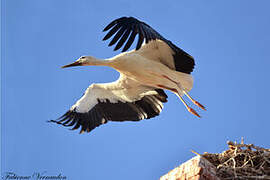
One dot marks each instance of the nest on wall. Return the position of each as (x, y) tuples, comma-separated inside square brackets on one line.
[(241, 161)]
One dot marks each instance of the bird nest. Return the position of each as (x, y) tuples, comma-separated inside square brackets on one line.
[(241, 161)]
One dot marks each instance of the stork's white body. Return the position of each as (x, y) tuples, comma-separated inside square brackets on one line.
[(139, 75), (147, 66)]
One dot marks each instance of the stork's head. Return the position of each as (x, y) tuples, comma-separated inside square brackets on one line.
[(82, 61)]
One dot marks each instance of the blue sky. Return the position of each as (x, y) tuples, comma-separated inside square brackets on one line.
[(228, 39)]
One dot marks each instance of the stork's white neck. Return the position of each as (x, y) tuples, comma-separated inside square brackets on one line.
[(93, 61)]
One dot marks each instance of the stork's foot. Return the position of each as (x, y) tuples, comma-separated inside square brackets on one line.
[(192, 111), (199, 105), (194, 102)]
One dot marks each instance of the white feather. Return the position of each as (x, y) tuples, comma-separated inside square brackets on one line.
[(124, 90)]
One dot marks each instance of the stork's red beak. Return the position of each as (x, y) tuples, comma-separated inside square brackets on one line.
[(76, 63)]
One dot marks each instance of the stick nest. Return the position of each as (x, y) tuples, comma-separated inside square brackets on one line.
[(241, 161)]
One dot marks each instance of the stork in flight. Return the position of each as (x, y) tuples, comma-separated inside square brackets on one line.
[(156, 64)]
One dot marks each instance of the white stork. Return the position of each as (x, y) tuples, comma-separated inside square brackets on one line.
[(138, 94)]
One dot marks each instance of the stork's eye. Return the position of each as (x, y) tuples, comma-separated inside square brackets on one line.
[(83, 57)]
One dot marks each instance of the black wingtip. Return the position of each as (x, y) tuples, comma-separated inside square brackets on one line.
[(54, 121), (51, 121), (121, 29), (109, 26)]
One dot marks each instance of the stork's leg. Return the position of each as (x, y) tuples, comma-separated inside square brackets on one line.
[(192, 111), (194, 102), (185, 92)]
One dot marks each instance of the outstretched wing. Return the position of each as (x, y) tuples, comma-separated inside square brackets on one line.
[(126, 28), (123, 100)]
